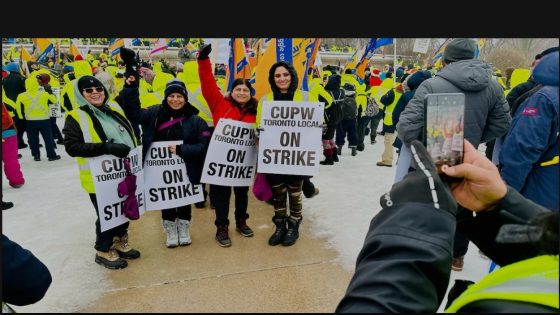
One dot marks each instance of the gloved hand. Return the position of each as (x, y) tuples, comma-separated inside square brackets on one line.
[(117, 149), (130, 61), (204, 51), (423, 185)]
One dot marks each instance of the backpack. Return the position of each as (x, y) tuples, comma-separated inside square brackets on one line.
[(350, 108), (335, 113), (372, 108)]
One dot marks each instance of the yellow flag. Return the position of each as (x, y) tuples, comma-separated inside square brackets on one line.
[(266, 61), (25, 55)]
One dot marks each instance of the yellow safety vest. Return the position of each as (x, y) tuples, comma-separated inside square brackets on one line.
[(35, 107), (533, 280), (388, 119), (91, 136), (298, 96), (10, 105)]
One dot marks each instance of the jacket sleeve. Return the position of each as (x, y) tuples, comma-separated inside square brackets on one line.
[(210, 90), (131, 106), (499, 119), (405, 263), (74, 141), (411, 120), (526, 140), (198, 149), (25, 279)]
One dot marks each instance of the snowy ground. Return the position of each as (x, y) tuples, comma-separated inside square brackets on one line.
[(49, 219)]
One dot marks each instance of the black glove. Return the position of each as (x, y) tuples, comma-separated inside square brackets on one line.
[(117, 149), (423, 185), (130, 60), (204, 51)]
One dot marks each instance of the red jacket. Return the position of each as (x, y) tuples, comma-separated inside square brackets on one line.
[(221, 106), (374, 81), (7, 121)]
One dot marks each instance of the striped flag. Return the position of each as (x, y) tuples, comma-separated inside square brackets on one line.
[(43, 46), (115, 46), (238, 65), (161, 45)]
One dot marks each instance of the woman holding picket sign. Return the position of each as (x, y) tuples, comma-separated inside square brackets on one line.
[(238, 105), (174, 119), (283, 81)]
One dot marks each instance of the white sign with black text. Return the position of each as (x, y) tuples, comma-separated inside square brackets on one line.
[(107, 172), (232, 154), (290, 137), (165, 179)]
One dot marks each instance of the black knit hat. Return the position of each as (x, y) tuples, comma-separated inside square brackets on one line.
[(88, 81), (176, 86), (459, 49)]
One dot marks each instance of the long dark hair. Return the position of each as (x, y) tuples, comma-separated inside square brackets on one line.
[(251, 105)]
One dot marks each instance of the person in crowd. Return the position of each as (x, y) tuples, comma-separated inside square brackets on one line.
[(283, 81), (97, 127), (25, 278), (347, 126), (174, 119), (43, 79), (12, 169), (333, 116), (13, 85), (402, 272), (388, 101), (529, 154), (486, 110), (239, 104)]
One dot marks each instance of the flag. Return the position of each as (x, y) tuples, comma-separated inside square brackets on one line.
[(136, 42), (479, 46), (238, 65), (161, 45), (56, 58), (436, 59), (366, 56), (353, 60), (73, 49), (25, 55), (267, 59), (310, 53), (43, 47), (115, 46), (383, 42)]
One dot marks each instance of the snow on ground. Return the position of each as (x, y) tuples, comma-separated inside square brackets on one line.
[(53, 218)]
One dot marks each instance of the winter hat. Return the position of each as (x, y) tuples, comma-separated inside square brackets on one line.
[(459, 49), (88, 81), (78, 57), (375, 71), (43, 78), (67, 69), (176, 86), (12, 67), (349, 89)]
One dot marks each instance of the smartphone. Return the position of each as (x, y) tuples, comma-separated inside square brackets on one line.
[(444, 115)]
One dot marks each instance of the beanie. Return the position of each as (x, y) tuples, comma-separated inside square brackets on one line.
[(459, 49), (12, 67), (349, 89), (43, 78), (176, 86), (88, 81)]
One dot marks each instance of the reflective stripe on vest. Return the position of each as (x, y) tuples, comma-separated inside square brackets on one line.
[(554, 161), (204, 109), (35, 105), (532, 280)]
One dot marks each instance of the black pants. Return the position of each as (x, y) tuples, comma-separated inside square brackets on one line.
[(34, 127), (104, 240), (221, 196), (183, 213), (363, 123), (21, 126), (55, 130), (461, 242), (374, 123)]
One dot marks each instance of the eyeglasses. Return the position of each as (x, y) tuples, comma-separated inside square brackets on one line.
[(89, 90)]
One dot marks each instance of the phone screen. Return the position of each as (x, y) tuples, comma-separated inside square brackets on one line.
[(443, 128)]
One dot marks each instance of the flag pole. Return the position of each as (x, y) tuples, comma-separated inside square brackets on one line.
[(394, 61)]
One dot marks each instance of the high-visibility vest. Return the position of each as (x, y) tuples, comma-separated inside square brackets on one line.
[(151, 99), (533, 280), (35, 107), (298, 96), (10, 105), (91, 136), (388, 118)]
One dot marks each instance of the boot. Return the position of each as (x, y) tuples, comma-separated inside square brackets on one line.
[(183, 231), (222, 236), (242, 227), (278, 236), (328, 161), (110, 260), (339, 149), (354, 152), (293, 232), (170, 228), (7, 205), (334, 155), (120, 244)]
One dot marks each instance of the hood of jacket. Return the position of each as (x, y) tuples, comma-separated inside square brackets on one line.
[(291, 70), (414, 81), (546, 72), (468, 75), (31, 85), (333, 83)]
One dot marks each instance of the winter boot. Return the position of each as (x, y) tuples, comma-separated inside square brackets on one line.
[(293, 231), (354, 152), (360, 147), (242, 227), (120, 244), (328, 160), (110, 260), (278, 236), (170, 228), (222, 236), (339, 149), (183, 231)]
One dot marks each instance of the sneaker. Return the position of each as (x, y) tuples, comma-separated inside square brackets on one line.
[(7, 205), (120, 244), (110, 260), (170, 229), (222, 236), (37, 158), (183, 227), (244, 229), (383, 164), (54, 158), (457, 263)]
